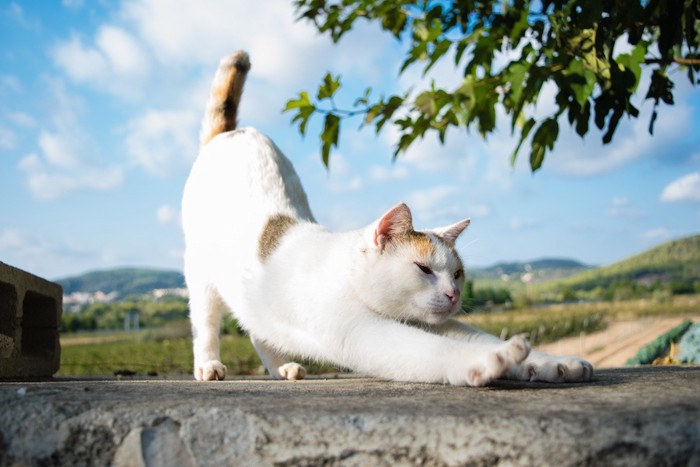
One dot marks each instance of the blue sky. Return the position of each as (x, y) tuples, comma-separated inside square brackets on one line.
[(100, 104)]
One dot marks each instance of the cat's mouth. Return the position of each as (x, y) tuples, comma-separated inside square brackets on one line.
[(439, 315)]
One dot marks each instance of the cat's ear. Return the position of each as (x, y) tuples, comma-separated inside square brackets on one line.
[(451, 232), (395, 223)]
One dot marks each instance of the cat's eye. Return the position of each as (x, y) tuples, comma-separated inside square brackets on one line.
[(424, 269), (458, 274)]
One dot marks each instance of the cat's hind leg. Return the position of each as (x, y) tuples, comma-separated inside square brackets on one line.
[(206, 310), (276, 364)]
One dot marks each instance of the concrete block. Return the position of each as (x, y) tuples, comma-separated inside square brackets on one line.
[(30, 314)]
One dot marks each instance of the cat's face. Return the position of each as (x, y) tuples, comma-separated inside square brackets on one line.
[(413, 276)]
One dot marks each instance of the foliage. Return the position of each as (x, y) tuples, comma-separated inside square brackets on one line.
[(507, 51), (541, 325), (473, 297), (111, 315), (650, 352)]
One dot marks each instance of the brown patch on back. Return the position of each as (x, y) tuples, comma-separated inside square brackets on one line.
[(272, 234)]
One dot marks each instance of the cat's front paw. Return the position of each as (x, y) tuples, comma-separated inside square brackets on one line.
[(552, 369), (510, 353), (292, 371), (210, 371)]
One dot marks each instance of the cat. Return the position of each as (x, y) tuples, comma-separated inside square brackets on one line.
[(378, 300)]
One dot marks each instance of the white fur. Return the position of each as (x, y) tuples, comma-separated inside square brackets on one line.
[(337, 297)]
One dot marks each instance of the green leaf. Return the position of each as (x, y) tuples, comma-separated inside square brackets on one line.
[(527, 127), (364, 100), (329, 137), (543, 139), (303, 101), (440, 49), (425, 103), (305, 109), (328, 86)]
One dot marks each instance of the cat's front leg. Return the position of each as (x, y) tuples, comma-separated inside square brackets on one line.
[(276, 364), (540, 366)]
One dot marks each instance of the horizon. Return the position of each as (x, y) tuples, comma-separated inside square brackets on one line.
[(473, 267), (100, 107)]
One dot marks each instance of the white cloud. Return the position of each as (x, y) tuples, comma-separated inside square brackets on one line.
[(8, 138), (160, 139), (518, 224), (45, 182), (381, 173), (9, 84), (48, 256), (113, 64), (16, 14), (342, 176), (21, 119), (623, 207), (658, 234), (441, 203), (73, 4), (479, 210), (573, 156), (67, 159), (284, 52), (167, 214), (685, 188)]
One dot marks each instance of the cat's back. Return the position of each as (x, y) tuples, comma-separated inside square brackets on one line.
[(242, 176)]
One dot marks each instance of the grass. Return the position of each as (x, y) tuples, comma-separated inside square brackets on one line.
[(158, 351), (169, 350), (167, 356)]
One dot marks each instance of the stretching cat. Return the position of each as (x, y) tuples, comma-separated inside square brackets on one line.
[(377, 300)]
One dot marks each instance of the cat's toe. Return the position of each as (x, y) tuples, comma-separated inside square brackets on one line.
[(578, 370), (292, 371), (563, 369), (210, 371), (516, 349), (478, 377)]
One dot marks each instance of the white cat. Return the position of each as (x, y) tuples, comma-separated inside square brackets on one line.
[(377, 300)]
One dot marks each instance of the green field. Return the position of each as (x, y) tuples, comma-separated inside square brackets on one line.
[(168, 351), (165, 351)]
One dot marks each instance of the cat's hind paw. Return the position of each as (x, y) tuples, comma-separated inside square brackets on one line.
[(292, 371), (210, 371), (512, 352)]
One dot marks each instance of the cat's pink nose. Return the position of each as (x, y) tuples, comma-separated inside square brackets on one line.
[(452, 296)]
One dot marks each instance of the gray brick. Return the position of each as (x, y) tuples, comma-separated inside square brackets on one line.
[(30, 314)]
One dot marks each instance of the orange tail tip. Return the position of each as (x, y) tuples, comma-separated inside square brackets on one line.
[(225, 96)]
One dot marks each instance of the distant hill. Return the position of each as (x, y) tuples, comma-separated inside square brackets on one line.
[(541, 270), (677, 260), (124, 281)]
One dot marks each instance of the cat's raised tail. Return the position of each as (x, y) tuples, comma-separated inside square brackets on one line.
[(225, 96)]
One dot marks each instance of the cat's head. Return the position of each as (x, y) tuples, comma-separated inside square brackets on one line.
[(410, 275)]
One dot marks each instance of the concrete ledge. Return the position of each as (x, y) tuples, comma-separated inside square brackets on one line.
[(30, 314), (638, 416)]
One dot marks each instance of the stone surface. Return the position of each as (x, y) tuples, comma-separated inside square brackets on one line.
[(636, 416), (30, 313)]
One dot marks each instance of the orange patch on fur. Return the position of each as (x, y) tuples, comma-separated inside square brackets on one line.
[(422, 244)]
